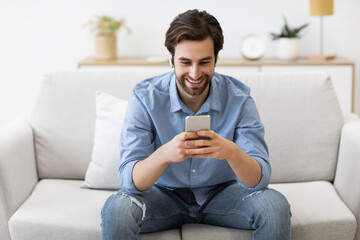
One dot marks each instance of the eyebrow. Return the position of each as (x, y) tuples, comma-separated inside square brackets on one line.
[(202, 59)]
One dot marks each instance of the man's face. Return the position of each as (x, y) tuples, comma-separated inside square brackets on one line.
[(194, 64)]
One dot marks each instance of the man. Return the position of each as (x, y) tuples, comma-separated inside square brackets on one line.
[(167, 179)]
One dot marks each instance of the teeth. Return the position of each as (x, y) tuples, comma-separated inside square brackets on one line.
[(194, 82)]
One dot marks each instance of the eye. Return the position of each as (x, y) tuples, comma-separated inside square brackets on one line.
[(204, 62), (185, 62)]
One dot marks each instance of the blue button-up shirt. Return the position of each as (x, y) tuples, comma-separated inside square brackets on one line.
[(156, 114)]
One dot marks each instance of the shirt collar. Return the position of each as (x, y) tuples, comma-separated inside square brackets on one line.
[(212, 102), (175, 102), (214, 96)]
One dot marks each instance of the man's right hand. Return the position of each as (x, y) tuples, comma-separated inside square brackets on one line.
[(146, 172), (175, 149)]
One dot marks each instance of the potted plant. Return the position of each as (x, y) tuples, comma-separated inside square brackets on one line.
[(289, 41), (105, 29)]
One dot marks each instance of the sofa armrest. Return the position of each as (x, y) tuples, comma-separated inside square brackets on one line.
[(18, 174), (350, 117), (347, 178)]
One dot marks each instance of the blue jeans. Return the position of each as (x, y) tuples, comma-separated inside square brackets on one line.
[(267, 212)]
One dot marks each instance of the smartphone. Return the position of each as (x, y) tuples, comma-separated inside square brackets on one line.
[(197, 123)]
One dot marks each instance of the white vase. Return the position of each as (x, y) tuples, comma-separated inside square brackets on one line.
[(288, 48)]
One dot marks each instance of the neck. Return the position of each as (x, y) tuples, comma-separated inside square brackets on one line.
[(194, 103)]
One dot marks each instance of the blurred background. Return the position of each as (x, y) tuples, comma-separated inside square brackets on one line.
[(39, 36)]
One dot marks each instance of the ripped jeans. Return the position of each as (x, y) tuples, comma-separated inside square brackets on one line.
[(266, 212)]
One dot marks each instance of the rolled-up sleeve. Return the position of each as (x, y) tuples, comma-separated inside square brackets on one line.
[(249, 136), (136, 141)]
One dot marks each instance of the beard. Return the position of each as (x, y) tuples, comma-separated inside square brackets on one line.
[(194, 91)]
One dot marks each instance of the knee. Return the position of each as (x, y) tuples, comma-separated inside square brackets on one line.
[(273, 205), (272, 215), (120, 207)]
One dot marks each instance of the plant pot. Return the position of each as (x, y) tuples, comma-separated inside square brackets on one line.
[(105, 47), (288, 48)]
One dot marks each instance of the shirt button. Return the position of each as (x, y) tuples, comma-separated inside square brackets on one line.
[(193, 170)]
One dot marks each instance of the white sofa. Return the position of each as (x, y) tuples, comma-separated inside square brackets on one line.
[(315, 156)]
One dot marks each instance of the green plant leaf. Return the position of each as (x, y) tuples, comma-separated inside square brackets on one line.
[(287, 31), (106, 25)]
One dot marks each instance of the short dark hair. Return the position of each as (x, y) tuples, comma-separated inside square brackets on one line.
[(195, 26)]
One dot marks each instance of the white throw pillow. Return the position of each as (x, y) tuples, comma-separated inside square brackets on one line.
[(102, 172)]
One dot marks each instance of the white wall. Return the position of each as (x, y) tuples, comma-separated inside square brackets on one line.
[(38, 36)]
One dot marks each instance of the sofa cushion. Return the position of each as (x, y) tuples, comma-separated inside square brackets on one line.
[(302, 120), (317, 213), (102, 172), (60, 210)]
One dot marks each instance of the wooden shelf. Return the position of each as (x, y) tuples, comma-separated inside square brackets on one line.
[(125, 61), (277, 62), (162, 61)]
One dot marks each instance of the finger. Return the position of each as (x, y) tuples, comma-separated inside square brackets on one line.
[(190, 135), (198, 143), (206, 133), (190, 147), (199, 151)]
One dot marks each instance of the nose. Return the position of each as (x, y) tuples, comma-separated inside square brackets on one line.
[(195, 72)]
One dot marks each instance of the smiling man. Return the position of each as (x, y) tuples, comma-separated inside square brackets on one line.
[(167, 179)]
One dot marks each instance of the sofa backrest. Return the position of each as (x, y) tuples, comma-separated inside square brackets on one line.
[(302, 120), (300, 112), (63, 118)]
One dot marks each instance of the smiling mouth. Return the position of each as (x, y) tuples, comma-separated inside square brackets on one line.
[(194, 81)]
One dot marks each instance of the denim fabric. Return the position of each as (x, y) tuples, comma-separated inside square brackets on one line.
[(267, 212)]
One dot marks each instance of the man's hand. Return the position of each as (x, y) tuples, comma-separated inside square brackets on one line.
[(214, 147), (148, 171), (175, 149), (246, 168)]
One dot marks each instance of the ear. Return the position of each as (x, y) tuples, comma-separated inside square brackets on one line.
[(170, 61)]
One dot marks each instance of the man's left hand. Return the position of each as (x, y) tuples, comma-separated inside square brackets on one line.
[(214, 147)]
